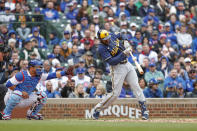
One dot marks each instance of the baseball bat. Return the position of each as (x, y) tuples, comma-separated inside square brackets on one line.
[(139, 68)]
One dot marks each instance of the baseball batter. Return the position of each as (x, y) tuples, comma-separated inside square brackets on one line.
[(113, 51)]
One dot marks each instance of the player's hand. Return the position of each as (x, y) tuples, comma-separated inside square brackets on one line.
[(127, 51), (25, 95)]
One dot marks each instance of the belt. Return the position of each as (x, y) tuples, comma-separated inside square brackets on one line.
[(123, 62)]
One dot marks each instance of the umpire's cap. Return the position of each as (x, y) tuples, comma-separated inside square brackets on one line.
[(103, 34)]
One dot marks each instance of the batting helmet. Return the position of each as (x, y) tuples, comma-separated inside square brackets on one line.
[(103, 34)]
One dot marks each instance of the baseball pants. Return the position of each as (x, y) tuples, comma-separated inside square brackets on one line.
[(120, 73)]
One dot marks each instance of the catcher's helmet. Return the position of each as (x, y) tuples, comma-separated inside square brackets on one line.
[(103, 34), (33, 63)]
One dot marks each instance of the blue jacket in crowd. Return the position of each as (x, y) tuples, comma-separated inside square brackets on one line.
[(177, 80), (149, 93), (50, 14)]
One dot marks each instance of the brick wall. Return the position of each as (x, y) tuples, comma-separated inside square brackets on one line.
[(81, 108)]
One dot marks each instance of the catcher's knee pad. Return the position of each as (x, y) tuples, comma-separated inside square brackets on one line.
[(42, 97)]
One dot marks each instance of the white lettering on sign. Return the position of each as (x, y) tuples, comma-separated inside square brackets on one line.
[(117, 111)]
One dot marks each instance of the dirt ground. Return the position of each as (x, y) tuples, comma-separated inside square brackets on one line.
[(155, 120)]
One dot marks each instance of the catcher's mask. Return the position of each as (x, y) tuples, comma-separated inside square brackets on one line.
[(103, 34)]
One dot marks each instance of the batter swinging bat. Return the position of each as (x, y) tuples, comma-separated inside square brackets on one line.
[(139, 68)]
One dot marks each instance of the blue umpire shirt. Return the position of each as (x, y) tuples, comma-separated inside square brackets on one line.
[(113, 52)]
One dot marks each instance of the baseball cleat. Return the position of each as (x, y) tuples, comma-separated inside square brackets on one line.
[(35, 117), (145, 112), (95, 115), (6, 117), (145, 115)]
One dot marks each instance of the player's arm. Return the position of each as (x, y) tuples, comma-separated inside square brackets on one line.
[(53, 75), (112, 60), (15, 80)]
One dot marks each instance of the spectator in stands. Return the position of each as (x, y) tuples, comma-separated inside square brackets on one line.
[(100, 91), (63, 5), (54, 40), (65, 51), (56, 52), (122, 9), (105, 10), (153, 57), (47, 67), (194, 92), (143, 10), (38, 16), (193, 6), (161, 10), (87, 38), (180, 8), (192, 79), (174, 22), (10, 4), (7, 16), (74, 56), (153, 73), (126, 91), (91, 89), (72, 27), (137, 40), (81, 78), (68, 89), (170, 35), (23, 31), (153, 91), (91, 71), (15, 58), (28, 48), (89, 59), (150, 18), (183, 38), (132, 8), (173, 77), (142, 83), (194, 43), (12, 44), (50, 13), (23, 65), (170, 90), (181, 72), (72, 13), (164, 66), (79, 92), (50, 92), (179, 92), (66, 38), (36, 35)]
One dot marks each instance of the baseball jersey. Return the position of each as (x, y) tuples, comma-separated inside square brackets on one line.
[(113, 52), (25, 82)]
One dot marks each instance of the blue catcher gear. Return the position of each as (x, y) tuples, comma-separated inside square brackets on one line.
[(32, 113), (34, 63)]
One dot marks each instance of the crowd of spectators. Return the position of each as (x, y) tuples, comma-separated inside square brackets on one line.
[(164, 43)]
